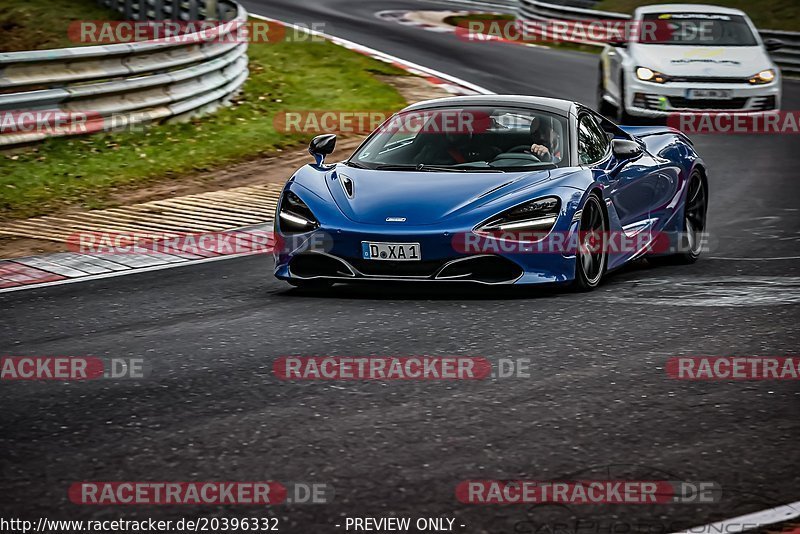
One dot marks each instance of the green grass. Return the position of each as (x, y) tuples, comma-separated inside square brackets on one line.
[(463, 20), (766, 14), (42, 24)]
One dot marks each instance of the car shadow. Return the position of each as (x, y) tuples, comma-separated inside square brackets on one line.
[(399, 291), (395, 291)]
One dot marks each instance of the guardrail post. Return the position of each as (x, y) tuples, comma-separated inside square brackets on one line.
[(211, 10), (116, 5), (193, 10), (158, 9), (127, 9), (175, 6)]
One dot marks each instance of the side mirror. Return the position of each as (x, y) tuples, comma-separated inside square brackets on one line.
[(321, 146), (624, 149), (773, 44)]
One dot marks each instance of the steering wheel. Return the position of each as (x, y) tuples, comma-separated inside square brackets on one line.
[(517, 154), (519, 148)]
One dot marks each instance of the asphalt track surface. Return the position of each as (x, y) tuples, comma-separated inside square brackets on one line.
[(597, 403)]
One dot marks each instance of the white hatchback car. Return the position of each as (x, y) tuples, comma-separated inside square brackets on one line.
[(702, 58)]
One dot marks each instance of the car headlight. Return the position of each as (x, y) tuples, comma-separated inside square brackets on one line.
[(649, 75), (538, 215), (294, 216), (765, 76)]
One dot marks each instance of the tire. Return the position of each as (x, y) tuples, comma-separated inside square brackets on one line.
[(591, 263), (622, 113), (690, 240), (604, 107), (311, 284)]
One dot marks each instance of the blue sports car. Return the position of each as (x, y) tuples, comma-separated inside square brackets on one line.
[(492, 190)]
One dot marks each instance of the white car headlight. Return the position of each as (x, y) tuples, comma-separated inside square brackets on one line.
[(294, 216), (649, 75), (539, 215), (765, 76)]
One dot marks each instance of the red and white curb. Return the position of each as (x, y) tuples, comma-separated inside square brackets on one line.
[(66, 267), (414, 19), (451, 84), (406, 19)]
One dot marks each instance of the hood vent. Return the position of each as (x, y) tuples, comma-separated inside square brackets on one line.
[(347, 185)]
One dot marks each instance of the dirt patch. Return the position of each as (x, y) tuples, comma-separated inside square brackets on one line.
[(18, 247), (275, 168), (271, 169), (414, 89)]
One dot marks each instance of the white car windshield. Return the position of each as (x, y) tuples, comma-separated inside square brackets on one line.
[(696, 29)]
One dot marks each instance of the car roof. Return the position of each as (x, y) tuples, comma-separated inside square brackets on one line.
[(553, 105), (689, 8)]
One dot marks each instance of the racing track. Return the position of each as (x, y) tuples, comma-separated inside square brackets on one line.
[(597, 397)]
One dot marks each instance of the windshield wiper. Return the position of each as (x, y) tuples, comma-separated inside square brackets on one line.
[(483, 169), (544, 166), (420, 168), (356, 165), (434, 168), (392, 167)]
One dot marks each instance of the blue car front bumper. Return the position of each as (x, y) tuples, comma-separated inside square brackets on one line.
[(445, 257)]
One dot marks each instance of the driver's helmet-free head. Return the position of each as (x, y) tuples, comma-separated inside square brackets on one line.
[(546, 131), (542, 130)]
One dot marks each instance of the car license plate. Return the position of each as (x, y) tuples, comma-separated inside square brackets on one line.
[(391, 251), (709, 94)]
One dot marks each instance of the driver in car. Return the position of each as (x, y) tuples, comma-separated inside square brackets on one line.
[(546, 140)]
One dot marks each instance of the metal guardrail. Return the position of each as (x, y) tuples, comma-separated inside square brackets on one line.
[(505, 6), (125, 84), (787, 58)]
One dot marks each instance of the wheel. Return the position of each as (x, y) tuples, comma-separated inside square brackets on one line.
[(592, 254), (694, 225), (694, 218), (311, 284), (605, 108)]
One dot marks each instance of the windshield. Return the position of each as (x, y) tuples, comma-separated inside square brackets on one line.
[(697, 29), (489, 139)]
